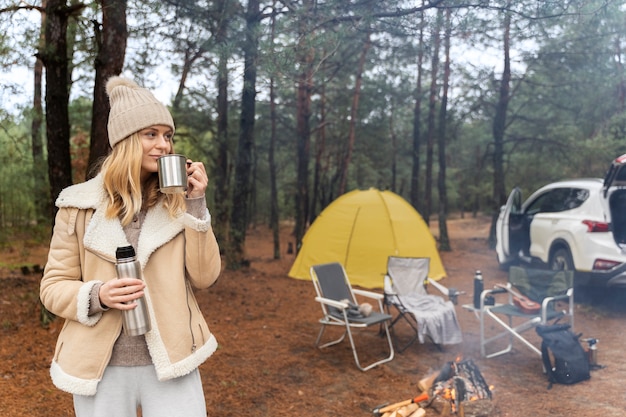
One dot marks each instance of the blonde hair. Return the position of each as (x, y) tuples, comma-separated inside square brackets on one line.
[(121, 175)]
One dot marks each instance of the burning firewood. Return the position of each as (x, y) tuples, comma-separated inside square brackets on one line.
[(453, 390), (458, 384)]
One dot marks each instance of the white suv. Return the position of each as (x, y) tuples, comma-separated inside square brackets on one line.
[(575, 225)]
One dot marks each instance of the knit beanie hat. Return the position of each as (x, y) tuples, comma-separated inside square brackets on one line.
[(133, 108)]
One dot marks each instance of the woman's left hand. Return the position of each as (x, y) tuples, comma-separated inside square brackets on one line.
[(197, 179)]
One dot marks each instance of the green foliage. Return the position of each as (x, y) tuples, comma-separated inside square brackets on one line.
[(566, 105), (16, 180), (80, 115), (566, 116)]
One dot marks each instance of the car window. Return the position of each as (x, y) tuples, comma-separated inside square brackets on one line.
[(575, 198), (558, 199)]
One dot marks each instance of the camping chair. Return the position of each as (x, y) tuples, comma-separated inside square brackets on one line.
[(427, 315), (333, 289), (544, 287)]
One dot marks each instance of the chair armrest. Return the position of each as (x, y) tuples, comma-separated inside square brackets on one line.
[(442, 288), (369, 294), (495, 291), (332, 303), (548, 300), (568, 296), (499, 290), (451, 293), (387, 287)]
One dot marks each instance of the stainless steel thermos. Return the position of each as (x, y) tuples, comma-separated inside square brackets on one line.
[(136, 321), (592, 351), (478, 288)]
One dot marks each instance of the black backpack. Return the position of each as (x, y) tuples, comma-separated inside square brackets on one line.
[(571, 362)]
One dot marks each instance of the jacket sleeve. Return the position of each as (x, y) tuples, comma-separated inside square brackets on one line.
[(62, 290), (202, 254)]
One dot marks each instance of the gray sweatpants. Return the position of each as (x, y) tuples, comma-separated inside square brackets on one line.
[(124, 389)]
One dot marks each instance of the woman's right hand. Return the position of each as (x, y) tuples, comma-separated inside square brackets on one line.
[(120, 293)]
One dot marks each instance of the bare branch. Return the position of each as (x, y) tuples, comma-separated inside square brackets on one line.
[(22, 5)]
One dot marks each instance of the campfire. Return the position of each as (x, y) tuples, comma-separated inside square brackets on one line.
[(459, 388)]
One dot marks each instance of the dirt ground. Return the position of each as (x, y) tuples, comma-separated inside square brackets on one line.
[(267, 365)]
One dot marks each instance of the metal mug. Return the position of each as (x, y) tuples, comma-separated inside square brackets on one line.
[(172, 173)]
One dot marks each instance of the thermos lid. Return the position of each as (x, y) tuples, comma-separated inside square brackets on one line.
[(124, 252)]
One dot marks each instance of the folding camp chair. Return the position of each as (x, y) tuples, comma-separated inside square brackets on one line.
[(546, 288), (333, 289), (427, 315)]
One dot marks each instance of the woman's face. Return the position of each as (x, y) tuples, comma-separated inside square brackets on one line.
[(156, 141)]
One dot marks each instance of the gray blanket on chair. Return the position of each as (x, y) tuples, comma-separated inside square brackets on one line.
[(436, 318)]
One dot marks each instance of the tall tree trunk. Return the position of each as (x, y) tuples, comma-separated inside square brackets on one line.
[(222, 169), (394, 150), (57, 95), (44, 205), (320, 145), (235, 257), (274, 212), (111, 39), (621, 83), (274, 208), (499, 126), (444, 239), (417, 115), (303, 115), (343, 175), (432, 104), (499, 122)]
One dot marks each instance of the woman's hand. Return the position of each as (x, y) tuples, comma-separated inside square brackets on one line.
[(197, 179), (116, 293)]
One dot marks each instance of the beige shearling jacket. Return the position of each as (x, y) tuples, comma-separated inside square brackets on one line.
[(176, 255)]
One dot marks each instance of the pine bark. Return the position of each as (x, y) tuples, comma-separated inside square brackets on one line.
[(243, 170), (111, 37)]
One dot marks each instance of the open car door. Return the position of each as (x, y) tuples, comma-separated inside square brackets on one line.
[(509, 228), (616, 175), (614, 200)]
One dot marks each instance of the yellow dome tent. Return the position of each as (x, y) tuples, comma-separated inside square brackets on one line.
[(361, 229)]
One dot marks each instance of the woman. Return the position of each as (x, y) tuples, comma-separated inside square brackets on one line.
[(110, 373)]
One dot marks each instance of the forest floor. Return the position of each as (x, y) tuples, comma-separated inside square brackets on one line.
[(267, 365)]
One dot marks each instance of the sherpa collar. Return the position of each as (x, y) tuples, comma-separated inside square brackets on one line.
[(104, 236)]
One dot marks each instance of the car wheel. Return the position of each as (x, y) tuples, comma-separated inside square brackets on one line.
[(561, 260)]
